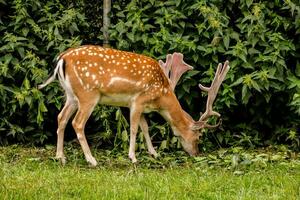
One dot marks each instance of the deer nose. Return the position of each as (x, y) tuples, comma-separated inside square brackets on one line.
[(194, 152)]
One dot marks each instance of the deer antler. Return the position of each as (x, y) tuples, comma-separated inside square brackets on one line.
[(166, 66), (174, 67), (212, 93), (178, 68)]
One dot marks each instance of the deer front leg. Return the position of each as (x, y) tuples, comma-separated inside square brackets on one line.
[(145, 130), (135, 115), (79, 121), (62, 120)]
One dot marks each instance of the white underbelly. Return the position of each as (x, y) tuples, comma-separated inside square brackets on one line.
[(123, 100)]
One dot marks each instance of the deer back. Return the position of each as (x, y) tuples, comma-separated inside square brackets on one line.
[(113, 73)]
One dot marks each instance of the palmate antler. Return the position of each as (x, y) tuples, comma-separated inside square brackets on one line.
[(212, 93), (166, 67), (174, 68)]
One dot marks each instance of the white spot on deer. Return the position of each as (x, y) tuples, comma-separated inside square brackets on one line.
[(83, 52), (138, 83), (107, 56), (97, 82), (87, 74), (113, 61), (108, 70), (93, 76), (90, 64), (165, 90), (128, 61), (121, 80), (101, 55), (125, 67), (78, 62), (95, 64), (78, 77), (139, 72)]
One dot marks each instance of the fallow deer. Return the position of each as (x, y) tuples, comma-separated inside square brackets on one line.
[(93, 74)]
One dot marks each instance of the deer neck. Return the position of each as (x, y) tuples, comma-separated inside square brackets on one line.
[(179, 120)]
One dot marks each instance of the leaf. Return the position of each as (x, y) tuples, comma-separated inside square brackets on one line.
[(25, 31), (42, 107), (124, 136), (57, 34), (26, 84), (255, 85), (226, 41), (50, 44), (252, 51), (237, 82), (163, 145), (21, 51), (249, 3), (245, 94), (130, 36)]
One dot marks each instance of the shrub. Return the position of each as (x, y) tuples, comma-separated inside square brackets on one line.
[(259, 101)]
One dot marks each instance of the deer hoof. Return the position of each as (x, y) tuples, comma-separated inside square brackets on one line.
[(92, 161), (153, 153), (61, 159)]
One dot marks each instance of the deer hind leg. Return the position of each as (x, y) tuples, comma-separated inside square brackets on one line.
[(62, 119), (85, 108), (145, 129)]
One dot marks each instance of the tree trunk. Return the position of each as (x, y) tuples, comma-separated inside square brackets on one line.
[(106, 21)]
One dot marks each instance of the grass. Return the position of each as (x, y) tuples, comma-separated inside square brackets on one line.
[(32, 173)]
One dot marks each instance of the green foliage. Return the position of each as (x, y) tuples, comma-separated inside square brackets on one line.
[(33, 33), (259, 101), (261, 41)]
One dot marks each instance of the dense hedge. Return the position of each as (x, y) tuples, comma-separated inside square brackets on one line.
[(259, 101)]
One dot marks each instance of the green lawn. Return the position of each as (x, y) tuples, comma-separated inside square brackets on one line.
[(32, 173)]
